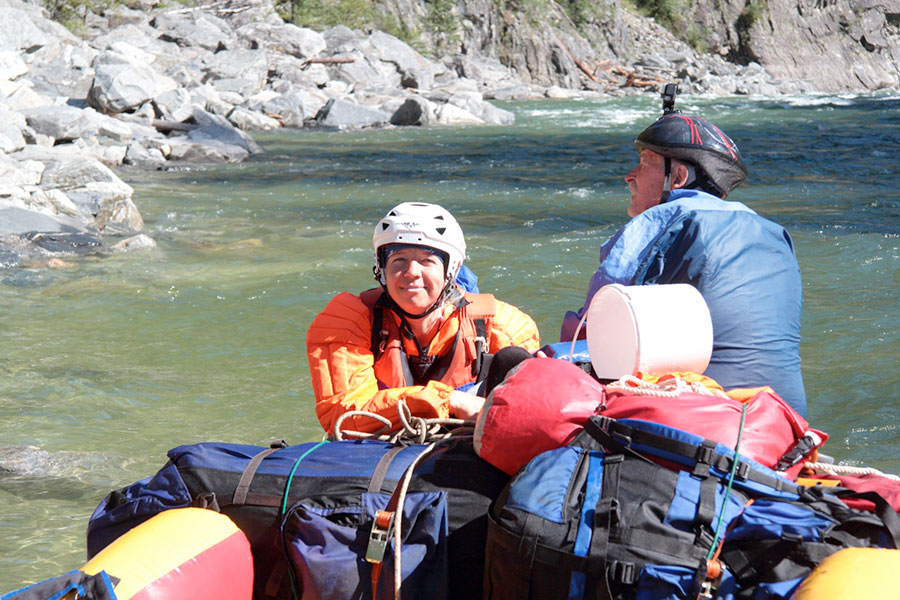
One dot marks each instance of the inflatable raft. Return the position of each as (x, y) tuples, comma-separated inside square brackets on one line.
[(649, 487)]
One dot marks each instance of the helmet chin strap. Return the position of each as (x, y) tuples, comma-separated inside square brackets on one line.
[(667, 182)]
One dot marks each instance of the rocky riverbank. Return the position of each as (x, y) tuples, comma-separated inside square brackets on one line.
[(151, 86), (181, 85)]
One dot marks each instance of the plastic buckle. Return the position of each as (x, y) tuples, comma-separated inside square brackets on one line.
[(704, 454), (480, 345), (379, 536), (623, 572)]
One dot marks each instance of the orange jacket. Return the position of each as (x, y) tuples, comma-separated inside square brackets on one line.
[(346, 376)]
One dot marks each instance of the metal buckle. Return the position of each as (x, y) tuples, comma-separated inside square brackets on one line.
[(379, 536)]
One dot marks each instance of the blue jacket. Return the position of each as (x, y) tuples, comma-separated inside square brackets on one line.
[(746, 270)]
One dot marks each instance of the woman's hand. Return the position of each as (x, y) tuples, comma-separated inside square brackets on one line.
[(465, 406)]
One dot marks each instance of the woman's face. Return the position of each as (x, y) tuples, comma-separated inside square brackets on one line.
[(414, 278)]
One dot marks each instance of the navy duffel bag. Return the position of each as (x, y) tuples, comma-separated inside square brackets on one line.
[(265, 490)]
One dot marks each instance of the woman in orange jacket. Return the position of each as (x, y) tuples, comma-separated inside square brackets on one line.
[(416, 338)]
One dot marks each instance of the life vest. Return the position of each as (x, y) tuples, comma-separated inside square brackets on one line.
[(466, 360)]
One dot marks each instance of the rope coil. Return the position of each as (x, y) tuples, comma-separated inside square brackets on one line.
[(670, 388), (832, 469), (413, 429)]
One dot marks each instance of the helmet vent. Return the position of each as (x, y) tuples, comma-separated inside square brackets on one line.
[(384, 226), (440, 230)]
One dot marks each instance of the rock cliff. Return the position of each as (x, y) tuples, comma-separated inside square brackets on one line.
[(801, 45)]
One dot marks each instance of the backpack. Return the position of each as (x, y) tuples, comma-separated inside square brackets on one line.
[(632, 509), (543, 403), (273, 494), (78, 583)]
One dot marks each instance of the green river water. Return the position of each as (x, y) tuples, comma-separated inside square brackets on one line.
[(108, 364)]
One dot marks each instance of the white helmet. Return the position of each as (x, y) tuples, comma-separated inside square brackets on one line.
[(421, 224)]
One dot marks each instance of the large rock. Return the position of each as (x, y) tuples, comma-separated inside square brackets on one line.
[(218, 130), (11, 125), (415, 70), (24, 27), (284, 39), (341, 114), (205, 150), (415, 110), (62, 123), (121, 84), (244, 64), (16, 220), (193, 27)]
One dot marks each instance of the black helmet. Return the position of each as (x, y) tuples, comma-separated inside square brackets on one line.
[(698, 142)]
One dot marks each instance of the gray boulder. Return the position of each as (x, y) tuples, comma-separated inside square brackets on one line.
[(340, 39), (121, 85), (174, 105), (144, 157), (62, 123), (415, 110), (287, 39), (11, 125), (199, 149), (341, 114), (239, 64), (495, 115), (249, 120), (193, 28), (11, 65), (216, 128), (20, 221), (23, 27), (415, 70)]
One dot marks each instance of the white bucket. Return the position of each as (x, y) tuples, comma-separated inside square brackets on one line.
[(653, 329)]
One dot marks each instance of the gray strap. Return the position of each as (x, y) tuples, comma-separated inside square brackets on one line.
[(243, 486), (381, 469)]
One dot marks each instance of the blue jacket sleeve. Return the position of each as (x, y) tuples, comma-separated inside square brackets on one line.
[(625, 257)]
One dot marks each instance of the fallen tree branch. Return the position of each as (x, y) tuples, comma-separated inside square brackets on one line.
[(577, 62), (329, 60), (164, 126)]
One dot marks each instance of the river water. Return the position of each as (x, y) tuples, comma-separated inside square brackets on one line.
[(108, 364)]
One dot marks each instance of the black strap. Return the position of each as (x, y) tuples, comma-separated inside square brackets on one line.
[(521, 546), (801, 448), (883, 510), (241, 492), (752, 560), (376, 336), (706, 512), (382, 467), (479, 370), (277, 581), (620, 438)]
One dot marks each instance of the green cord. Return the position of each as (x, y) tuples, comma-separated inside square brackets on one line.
[(737, 445), (287, 486)]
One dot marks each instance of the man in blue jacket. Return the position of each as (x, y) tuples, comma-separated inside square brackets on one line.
[(683, 231)]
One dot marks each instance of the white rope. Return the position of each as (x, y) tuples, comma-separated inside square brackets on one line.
[(833, 469), (418, 430), (670, 388)]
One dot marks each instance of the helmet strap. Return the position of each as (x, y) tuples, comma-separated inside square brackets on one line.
[(667, 183)]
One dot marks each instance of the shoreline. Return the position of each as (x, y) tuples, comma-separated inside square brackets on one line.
[(172, 88)]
